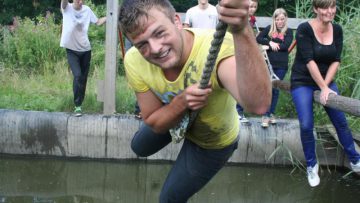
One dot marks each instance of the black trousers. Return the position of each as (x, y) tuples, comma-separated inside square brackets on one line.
[(80, 64)]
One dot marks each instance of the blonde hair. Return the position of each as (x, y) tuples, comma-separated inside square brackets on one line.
[(273, 29)]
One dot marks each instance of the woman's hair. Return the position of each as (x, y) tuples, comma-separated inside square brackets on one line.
[(323, 3), (273, 28), (132, 13)]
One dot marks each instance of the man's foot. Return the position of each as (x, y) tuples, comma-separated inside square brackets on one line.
[(312, 175), (355, 167), (272, 119), (78, 111), (265, 120), (242, 118)]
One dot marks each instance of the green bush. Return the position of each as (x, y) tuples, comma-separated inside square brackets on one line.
[(31, 45)]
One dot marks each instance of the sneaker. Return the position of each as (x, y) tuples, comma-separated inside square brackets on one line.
[(265, 120), (355, 167), (138, 115), (78, 111), (312, 175), (273, 119), (243, 119)]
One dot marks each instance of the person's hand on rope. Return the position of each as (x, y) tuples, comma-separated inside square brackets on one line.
[(235, 13), (274, 46), (196, 98), (324, 95)]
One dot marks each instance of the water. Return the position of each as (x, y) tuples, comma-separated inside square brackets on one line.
[(54, 181)]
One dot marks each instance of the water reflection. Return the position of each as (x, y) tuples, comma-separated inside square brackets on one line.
[(53, 181)]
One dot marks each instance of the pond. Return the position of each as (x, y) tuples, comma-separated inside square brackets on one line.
[(44, 180)]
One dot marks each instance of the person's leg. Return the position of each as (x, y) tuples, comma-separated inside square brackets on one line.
[(146, 142), (241, 114), (239, 109), (280, 73), (85, 67), (192, 170), (137, 111), (303, 100), (339, 121), (74, 63)]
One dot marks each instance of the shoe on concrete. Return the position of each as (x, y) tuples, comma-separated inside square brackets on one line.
[(138, 115), (355, 167), (265, 120), (243, 119), (272, 119), (313, 176), (78, 111)]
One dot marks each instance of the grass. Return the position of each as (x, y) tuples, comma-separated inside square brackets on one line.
[(52, 91)]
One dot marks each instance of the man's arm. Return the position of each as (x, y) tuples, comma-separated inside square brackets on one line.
[(101, 21), (163, 117), (64, 3), (247, 69)]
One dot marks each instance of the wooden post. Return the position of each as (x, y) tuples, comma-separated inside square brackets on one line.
[(110, 56), (345, 104)]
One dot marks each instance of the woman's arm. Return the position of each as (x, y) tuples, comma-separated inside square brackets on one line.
[(262, 37), (284, 46)]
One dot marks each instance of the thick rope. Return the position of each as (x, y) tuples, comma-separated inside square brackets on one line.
[(178, 133), (210, 62)]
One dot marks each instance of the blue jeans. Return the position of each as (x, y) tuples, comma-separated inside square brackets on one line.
[(303, 100), (280, 73), (239, 109), (193, 168)]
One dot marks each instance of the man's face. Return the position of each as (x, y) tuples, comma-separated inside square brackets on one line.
[(160, 41), (203, 2), (78, 4)]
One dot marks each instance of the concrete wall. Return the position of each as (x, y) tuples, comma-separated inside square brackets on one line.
[(109, 137)]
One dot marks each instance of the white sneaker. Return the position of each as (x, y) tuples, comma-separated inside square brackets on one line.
[(243, 119), (273, 119), (265, 120), (355, 167), (312, 175)]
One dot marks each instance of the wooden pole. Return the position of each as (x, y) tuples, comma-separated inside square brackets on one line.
[(345, 104), (110, 56)]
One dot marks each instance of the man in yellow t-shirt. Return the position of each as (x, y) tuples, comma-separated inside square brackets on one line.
[(164, 68)]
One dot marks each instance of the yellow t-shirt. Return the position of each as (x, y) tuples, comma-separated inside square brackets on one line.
[(217, 123)]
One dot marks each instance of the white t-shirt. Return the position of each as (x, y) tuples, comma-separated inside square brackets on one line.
[(74, 34), (198, 18)]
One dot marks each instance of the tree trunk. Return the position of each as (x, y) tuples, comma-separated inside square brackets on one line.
[(345, 104)]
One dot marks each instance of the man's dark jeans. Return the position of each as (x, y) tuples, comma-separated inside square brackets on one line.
[(80, 64), (193, 168)]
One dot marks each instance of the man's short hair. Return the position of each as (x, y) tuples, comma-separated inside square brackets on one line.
[(132, 12)]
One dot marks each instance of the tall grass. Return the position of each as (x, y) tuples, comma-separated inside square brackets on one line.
[(52, 91), (35, 75)]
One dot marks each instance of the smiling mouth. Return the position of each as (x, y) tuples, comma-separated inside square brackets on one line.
[(163, 54)]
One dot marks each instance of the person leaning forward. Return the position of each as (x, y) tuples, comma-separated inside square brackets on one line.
[(163, 67)]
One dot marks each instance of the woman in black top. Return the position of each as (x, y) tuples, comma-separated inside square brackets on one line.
[(276, 39), (317, 60)]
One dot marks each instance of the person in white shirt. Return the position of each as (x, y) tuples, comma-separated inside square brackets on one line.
[(203, 15), (74, 37)]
